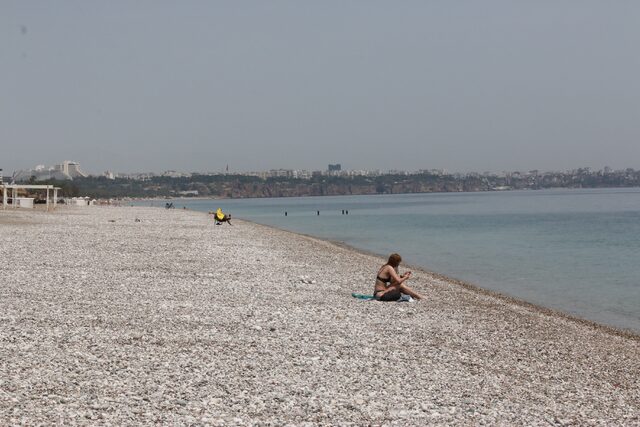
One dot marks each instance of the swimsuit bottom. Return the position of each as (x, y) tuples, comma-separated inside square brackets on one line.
[(389, 296)]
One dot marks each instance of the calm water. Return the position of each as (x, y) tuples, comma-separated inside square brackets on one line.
[(573, 250)]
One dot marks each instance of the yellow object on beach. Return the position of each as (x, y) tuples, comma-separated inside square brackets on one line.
[(219, 214)]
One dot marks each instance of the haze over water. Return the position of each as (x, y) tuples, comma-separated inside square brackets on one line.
[(571, 250)]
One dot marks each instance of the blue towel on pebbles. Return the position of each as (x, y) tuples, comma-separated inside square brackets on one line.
[(403, 298), (362, 296)]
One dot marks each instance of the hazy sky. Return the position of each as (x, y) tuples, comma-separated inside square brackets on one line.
[(196, 85)]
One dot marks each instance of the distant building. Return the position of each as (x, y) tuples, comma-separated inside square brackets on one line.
[(435, 172), (70, 169), (66, 170), (396, 172), (175, 174), (335, 168), (281, 173), (140, 176), (302, 174)]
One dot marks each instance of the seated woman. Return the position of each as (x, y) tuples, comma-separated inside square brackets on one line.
[(390, 284)]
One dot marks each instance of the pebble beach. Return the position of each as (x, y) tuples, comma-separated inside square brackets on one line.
[(140, 316)]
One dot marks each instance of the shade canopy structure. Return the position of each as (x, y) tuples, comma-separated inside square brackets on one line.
[(14, 193)]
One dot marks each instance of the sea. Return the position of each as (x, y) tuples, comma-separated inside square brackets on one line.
[(572, 250)]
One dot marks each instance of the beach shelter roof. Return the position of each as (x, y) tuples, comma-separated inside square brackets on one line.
[(14, 192)]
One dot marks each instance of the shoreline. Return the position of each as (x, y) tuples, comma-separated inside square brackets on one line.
[(136, 315), (578, 295), (626, 333)]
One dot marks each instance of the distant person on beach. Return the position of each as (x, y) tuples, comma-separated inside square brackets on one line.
[(226, 218), (221, 217), (390, 283)]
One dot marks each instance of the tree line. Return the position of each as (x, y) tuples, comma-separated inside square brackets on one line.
[(245, 186)]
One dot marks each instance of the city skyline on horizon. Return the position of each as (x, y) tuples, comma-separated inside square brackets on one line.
[(496, 86), (83, 171)]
